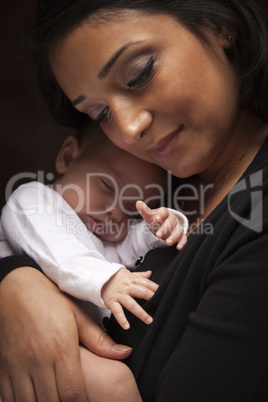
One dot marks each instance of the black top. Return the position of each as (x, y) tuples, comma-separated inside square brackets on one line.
[(209, 338), (7, 264)]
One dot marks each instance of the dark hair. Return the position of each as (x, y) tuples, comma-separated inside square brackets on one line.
[(90, 130), (245, 20)]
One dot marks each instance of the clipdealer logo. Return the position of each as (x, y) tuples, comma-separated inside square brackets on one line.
[(255, 221), (175, 198)]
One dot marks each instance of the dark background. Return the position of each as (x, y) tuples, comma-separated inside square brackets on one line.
[(29, 137)]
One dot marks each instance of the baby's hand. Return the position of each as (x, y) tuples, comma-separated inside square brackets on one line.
[(164, 224), (119, 291)]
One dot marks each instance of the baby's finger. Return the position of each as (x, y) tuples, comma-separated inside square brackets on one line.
[(131, 305), (119, 315), (145, 274), (140, 292), (145, 283), (175, 236), (162, 214), (182, 242), (169, 225), (146, 213)]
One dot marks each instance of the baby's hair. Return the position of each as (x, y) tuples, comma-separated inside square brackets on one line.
[(89, 131)]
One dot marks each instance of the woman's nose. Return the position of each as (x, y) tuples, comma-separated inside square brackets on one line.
[(132, 123)]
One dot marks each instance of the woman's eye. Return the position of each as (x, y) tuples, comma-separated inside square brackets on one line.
[(103, 116), (144, 75)]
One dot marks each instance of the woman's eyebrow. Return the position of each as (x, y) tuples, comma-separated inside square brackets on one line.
[(78, 100), (104, 71)]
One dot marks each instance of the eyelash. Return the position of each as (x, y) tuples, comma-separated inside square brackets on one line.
[(144, 75), (103, 116), (136, 82), (107, 186)]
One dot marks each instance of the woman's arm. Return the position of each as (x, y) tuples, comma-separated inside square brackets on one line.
[(40, 329)]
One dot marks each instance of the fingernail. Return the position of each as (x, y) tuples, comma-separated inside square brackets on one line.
[(121, 348), (149, 320)]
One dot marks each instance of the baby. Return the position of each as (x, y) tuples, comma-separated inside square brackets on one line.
[(84, 232)]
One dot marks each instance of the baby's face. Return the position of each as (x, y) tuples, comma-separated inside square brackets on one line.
[(103, 184)]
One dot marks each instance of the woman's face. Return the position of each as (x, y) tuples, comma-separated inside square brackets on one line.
[(157, 90)]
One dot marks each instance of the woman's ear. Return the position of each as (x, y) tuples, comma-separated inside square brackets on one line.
[(227, 37), (68, 152), (222, 37)]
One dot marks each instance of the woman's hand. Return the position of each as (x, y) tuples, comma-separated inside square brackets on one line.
[(40, 328)]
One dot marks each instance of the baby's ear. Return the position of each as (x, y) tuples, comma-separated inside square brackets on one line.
[(68, 152)]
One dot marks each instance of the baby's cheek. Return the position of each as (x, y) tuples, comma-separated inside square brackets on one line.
[(115, 231), (121, 229)]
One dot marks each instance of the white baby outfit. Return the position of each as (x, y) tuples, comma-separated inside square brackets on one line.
[(37, 221)]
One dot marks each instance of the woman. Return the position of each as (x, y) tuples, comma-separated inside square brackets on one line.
[(184, 85)]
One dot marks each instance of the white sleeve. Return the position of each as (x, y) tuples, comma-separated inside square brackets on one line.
[(38, 221), (141, 239)]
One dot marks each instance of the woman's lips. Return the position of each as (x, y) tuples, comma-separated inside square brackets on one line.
[(167, 145)]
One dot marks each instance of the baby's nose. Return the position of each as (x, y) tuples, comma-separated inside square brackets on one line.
[(116, 214)]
